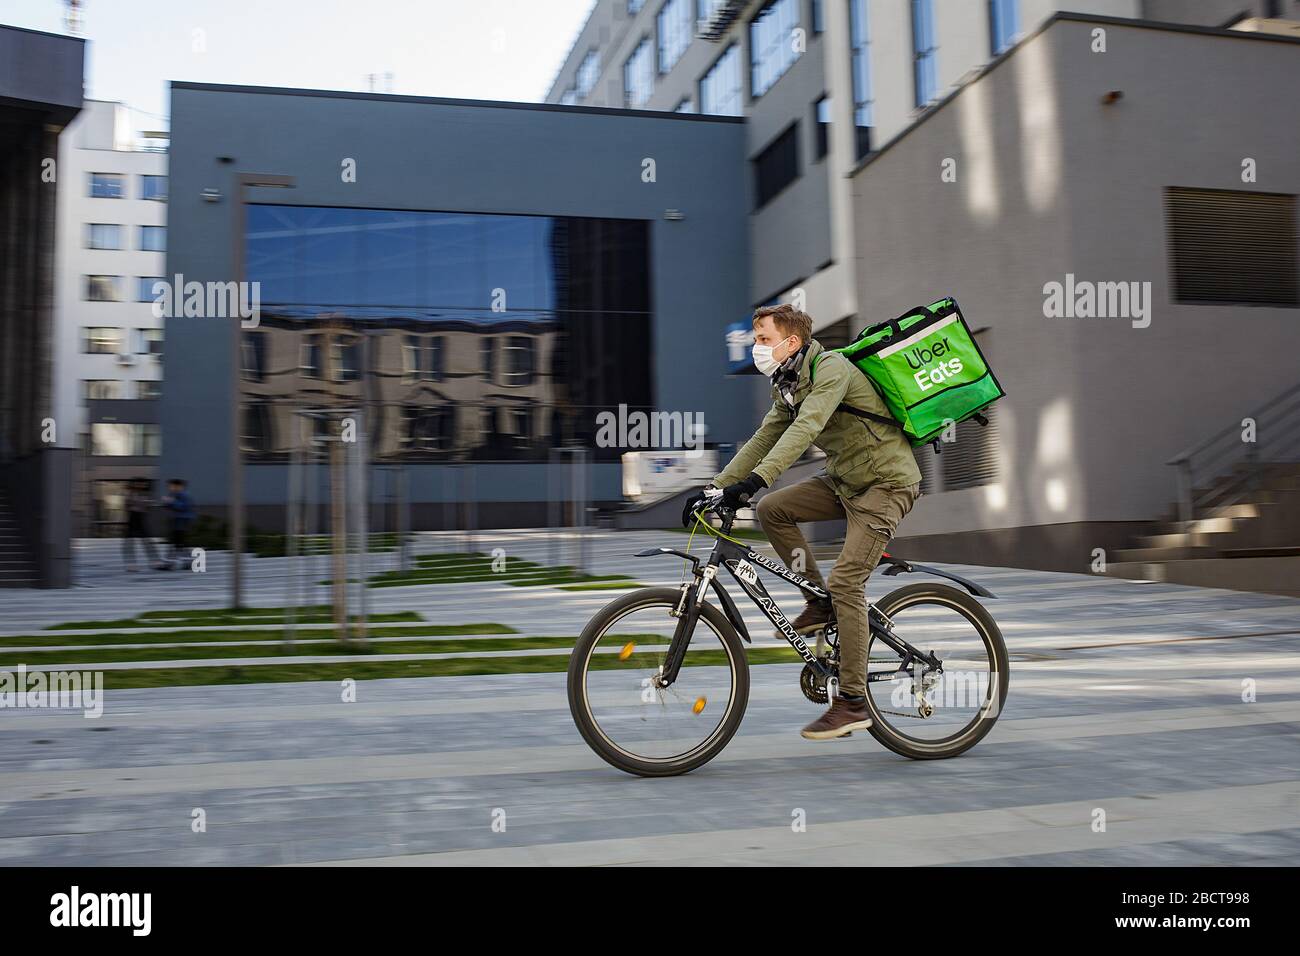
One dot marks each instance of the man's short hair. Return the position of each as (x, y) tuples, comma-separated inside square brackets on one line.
[(787, 319)]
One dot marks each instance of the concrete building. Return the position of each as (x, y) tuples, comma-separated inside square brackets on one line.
[(1045, 181), (40, 93), (110, 250), (1162, 169), (484, 278), (801, 70)]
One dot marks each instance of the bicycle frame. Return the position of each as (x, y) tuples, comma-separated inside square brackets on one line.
[(739, 561)]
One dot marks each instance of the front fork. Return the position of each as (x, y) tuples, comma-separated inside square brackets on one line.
[(687, 613)]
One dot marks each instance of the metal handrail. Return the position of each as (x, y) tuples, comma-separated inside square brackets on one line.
[(1274, 412)]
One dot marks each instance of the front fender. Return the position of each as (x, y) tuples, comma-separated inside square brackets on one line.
[(729, 608)]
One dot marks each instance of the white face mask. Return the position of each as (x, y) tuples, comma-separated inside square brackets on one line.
[(764, 361)]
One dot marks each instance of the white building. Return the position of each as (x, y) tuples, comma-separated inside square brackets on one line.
[(110, 248)]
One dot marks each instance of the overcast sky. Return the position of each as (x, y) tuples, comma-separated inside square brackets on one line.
[(479, 49)]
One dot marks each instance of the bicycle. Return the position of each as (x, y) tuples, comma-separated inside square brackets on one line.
[(655, 694)]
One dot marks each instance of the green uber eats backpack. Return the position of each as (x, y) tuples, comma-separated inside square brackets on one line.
[(928, 370)]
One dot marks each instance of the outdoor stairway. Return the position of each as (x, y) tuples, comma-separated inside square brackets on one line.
[(16, 569), (1246, 535)]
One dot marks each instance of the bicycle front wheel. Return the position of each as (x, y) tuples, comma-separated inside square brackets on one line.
[(624, 715)]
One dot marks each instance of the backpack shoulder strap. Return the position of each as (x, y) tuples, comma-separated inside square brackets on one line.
[(843, 407)]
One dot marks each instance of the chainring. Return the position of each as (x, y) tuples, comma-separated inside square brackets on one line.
[(812, 684)]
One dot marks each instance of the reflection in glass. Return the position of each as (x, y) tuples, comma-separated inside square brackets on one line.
[(464, 336)]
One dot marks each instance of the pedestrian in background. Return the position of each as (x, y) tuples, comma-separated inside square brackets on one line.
[(180, 507), (138, 503)]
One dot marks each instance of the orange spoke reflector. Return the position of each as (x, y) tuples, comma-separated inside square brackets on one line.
[(627, 650), (700, 704)]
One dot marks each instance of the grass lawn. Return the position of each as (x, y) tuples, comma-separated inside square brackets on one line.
[(369, 668), (199, 637)]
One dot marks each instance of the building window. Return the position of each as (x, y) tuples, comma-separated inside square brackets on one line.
[(720, 93), (153, 187), (107, 186), (777, 166), (435, 357), (817, 14), (309, 357), (99, 340), (1232, 247), (1004, 24), (771, 44), (144, 288), (634, 7), (411, 360), (146, 390), (101, 389), (486, 357), (924, 52), (863, 106), (253, 356), (638, 75), (149, 342), (123, 440), (153, 238), (101, 235), (822, 126), (588, 74), (347, 360), (705, 11), (517, 356), (256, 434), (429, 428), (676, 23), (685, 106), (104, 288)]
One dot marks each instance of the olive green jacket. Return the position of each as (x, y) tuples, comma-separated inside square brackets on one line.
[(859, 452)]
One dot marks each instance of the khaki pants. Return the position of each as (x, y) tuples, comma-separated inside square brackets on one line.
[(871, 519)]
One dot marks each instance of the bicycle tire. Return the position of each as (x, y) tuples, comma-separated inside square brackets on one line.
[(992, 635), (581, 710)]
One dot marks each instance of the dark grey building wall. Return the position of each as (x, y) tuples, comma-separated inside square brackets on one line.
[(455, 155)]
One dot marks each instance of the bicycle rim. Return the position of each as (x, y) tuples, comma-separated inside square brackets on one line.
[(951, 706), (641, 721)]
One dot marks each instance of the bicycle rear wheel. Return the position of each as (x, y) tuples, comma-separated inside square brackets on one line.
[(629, 720), (931, 715)]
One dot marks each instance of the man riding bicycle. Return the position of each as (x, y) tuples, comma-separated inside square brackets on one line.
[(871, 480)]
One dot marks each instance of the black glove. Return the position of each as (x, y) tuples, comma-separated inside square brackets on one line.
[(738, 495), (688, 512)]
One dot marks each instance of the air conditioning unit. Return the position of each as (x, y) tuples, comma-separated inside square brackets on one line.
[(125, 358)]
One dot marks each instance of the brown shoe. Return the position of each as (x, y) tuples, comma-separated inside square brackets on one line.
[(814, 615), (840, 720)]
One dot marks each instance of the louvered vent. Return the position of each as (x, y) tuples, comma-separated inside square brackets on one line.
[(1232, 246), (972, 459)]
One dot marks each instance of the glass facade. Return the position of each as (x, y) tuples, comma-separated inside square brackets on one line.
[(771, 44), (639, 75), (720, 92), (860, 54), (588, 73), (464, 336), (924, 52), (676, 29), (1004, 24)]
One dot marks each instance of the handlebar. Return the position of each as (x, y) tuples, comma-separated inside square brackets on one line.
[(712, 504)]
